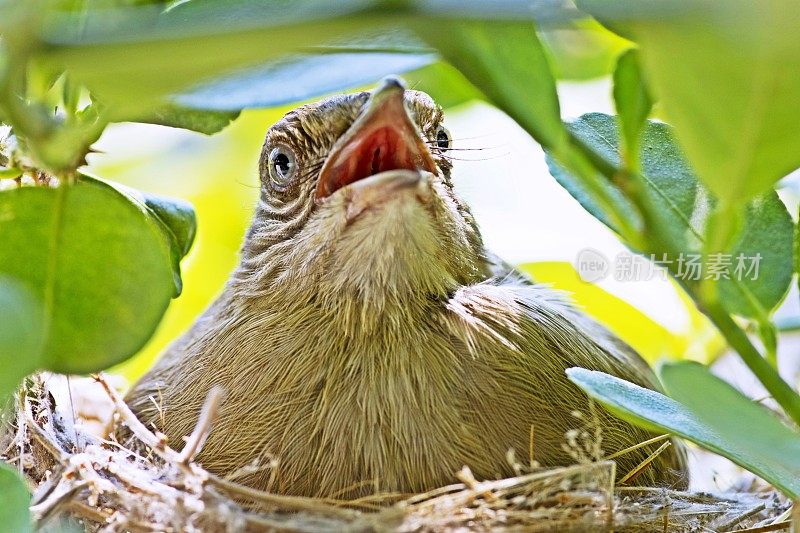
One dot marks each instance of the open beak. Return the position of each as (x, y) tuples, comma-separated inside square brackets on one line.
[(382, 138)]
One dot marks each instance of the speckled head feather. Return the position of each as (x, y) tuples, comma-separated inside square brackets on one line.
[(417, 239), (368, 341)]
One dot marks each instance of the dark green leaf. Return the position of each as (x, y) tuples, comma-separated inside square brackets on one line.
[(717, 417), (21, 334), (101, 265), (201, 120), (680, 210), (633, 105), (14, 502), (178, 216), (726, 75)]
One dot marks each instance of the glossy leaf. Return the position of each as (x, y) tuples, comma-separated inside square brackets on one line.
[(680, 209), (179, 218), (14, 502), (708, 412), (633, 105), (99, 261), (21, 334), (726, 76)]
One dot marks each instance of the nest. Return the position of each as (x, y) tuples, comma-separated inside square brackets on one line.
[(104, 486)]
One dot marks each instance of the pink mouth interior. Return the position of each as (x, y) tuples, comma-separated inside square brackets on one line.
[(379, 150)]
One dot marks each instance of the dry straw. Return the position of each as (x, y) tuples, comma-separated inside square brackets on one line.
[(104, 486)]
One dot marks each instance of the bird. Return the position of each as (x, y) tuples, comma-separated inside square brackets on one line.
[(368, 342)]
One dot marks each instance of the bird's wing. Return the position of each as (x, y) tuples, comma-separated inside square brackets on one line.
[(531, 296), (530, 316), (503, 272), (529, 334)]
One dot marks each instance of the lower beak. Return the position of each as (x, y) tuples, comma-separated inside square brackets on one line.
[(384, 137)]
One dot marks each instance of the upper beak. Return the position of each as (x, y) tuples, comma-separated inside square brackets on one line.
[(383, 137)]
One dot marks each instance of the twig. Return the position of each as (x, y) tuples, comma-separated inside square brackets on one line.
[(297, 503), (769, 527), (50, 505), (644, 464), (49, 444), (208, 416), (738, 519), (89, 513), (637, 446), (157, 443)]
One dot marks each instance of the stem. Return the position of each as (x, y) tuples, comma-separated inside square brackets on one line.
[(578, 160), (781, 391)]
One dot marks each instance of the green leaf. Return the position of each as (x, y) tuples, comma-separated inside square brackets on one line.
[(175, 217), (726, 76), (680, 208), (446, 85), (507, 63), (633, 105), (101, 265), (14, 502), (21, 334), (130, 58), (140, 62), (708, 412), (200, 120), (179, 218), (582, 49), (299, 78), (10, 173)]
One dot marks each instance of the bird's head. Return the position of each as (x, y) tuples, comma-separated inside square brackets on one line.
[(356, 200)]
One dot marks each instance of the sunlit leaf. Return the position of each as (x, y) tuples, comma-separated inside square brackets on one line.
[(100, 263), (203, 120), (726, 76), (14, 501), (681, 206), (633, 105), (582, 50), (21, 335), (10, 173), (708, 412)]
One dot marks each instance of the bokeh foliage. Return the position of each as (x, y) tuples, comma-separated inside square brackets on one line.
[(69, 270)]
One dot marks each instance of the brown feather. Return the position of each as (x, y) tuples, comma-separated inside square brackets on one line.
[(385, 352)]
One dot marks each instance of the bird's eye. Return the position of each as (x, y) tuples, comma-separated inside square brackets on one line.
[(282, 167), (443, 140)]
